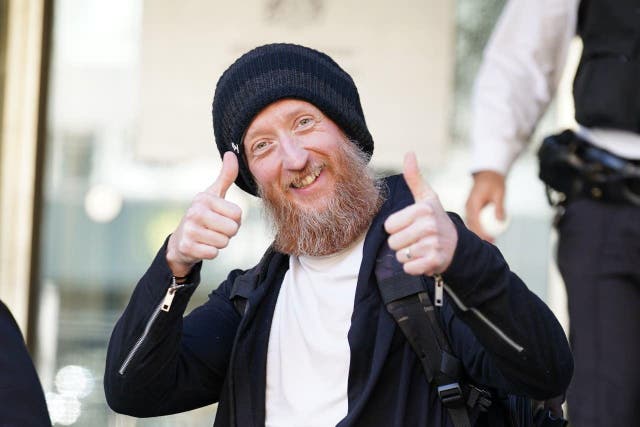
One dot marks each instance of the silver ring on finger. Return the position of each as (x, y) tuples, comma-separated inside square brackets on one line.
[(407, 253)]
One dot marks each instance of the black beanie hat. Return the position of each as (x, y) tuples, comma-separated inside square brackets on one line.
[(276, 71)]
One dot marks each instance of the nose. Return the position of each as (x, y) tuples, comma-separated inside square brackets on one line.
[(294, 156)]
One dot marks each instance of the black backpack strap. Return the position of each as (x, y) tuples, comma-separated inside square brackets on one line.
[(409, 304), (412, 309)]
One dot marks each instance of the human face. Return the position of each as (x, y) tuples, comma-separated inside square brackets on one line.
[(315, 184), (290, 148)]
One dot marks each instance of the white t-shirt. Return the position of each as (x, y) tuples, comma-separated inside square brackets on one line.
[(308, 355)]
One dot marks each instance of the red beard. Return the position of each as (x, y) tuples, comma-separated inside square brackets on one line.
[(347, 214)]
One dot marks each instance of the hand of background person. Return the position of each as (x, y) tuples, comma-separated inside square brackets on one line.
[(422, 234), (488, 187), (208, 224)]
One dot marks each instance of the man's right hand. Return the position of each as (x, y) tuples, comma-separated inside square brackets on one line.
[(208, 225), (488, 187)]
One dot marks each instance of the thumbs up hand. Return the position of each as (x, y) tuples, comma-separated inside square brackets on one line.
[(208, 224), (422, 234)]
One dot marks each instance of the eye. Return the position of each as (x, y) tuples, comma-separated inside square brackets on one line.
[(260, 146), (305, 122)]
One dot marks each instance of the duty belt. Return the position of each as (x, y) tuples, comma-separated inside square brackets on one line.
[(572, 167)]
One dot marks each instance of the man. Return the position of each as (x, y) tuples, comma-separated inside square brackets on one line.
[(598, 224), (21, 396), (315, 346)]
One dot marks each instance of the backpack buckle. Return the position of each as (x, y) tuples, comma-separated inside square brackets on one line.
[(478, 399), (450, 394)]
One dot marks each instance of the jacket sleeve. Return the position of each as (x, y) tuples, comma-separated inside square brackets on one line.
[(160, 363), (519, 74), (507, 337), (21, 396)]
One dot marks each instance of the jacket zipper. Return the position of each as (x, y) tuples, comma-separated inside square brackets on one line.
[(438, 293), (164, 305), (517, 347)]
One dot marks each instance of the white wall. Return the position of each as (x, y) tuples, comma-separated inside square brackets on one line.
[(401, 57)]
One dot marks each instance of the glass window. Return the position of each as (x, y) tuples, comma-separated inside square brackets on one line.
[(117, 179), (106, 211)]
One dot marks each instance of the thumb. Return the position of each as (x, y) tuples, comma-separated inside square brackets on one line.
[(500, 212), (228, 175), (418, 186), (497, 197)]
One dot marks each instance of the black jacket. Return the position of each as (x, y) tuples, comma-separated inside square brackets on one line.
[(21, 398), (215, 355)]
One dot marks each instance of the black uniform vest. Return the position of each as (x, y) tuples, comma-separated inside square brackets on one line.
[(606, 88)]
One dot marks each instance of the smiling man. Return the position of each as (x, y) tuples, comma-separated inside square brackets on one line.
[(316, 186), (304, 337)]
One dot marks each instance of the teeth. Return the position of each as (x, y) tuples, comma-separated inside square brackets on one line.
[(307, 180)]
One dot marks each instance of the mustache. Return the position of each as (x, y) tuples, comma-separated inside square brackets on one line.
[(294, 179)]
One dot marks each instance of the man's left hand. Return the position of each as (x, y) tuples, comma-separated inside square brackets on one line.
[(422, 234)]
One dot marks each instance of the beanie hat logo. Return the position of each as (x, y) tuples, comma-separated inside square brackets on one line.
[(278, 71)]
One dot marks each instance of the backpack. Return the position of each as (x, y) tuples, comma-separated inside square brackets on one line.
[(408, 302), (410, 306)]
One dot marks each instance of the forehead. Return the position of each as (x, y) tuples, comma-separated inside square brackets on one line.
[(280, 111)]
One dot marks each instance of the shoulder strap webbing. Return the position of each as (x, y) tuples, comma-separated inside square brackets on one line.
[(409, 304)]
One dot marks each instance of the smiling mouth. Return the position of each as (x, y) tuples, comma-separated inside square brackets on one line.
[(308, 179)]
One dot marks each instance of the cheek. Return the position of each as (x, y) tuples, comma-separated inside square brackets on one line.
[(264, 174)]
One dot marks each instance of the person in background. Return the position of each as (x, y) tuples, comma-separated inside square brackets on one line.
[(598, 218), (313, 344), (22, 400)]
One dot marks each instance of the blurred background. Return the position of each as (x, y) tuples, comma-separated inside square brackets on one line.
[(106, 136)]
